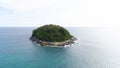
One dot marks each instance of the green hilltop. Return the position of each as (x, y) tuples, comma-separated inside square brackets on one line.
[(51, 33)]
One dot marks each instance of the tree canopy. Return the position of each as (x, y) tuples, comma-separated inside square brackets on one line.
[(51, 33)]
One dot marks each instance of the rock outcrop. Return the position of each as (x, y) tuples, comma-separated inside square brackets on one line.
[(45, 43)]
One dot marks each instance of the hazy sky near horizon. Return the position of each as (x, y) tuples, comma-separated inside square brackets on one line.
[(30, 13)]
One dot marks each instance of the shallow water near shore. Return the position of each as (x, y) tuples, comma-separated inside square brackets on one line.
[(95, 48)]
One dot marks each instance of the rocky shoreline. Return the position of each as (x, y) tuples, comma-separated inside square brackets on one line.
[(53, 44)]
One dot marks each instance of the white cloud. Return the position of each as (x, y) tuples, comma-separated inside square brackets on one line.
[(63, 12), (26, 5)]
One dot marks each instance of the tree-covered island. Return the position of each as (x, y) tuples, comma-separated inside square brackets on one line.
[(52, 35)]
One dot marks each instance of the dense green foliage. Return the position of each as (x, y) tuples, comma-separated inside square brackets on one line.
[(51, 33)]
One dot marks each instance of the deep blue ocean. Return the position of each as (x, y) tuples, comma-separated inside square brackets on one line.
[(95, 48)]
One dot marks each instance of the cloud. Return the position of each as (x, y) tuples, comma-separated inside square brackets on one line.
[(43, 11), (5, 11), (26, 5), (30, 5), (63, 12)]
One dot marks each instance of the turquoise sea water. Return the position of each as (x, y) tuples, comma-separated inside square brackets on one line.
[(95, 48)]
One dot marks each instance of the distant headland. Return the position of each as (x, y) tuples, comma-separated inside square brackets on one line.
[(52, 35)]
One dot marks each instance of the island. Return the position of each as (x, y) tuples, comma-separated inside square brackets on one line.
[(52, 35)]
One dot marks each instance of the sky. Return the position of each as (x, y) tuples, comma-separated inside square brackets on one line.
[(70, 13)]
